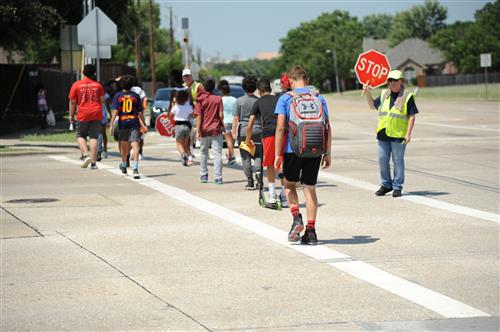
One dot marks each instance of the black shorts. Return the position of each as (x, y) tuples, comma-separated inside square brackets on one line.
[(300, 169), (91, 129)]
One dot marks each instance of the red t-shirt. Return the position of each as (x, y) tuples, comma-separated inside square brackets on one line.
[(209, 107), (87, 94)]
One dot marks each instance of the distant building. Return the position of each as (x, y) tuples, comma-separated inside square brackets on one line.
[(413, 56), (266, 55)]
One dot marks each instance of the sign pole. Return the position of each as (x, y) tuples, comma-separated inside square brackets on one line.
[(336, 72), (486, 81), (97, 44)]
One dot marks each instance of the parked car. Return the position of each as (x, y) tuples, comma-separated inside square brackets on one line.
[(160, 104), (236, 91)]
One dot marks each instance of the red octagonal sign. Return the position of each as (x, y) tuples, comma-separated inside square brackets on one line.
[(165, 124), (372, 68)]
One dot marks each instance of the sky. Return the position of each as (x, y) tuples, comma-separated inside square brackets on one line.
[(239, 29)]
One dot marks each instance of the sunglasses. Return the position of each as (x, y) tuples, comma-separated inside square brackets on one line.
[(392, 80)]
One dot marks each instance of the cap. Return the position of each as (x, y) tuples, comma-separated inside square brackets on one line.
[(186, 72), (395, 74)]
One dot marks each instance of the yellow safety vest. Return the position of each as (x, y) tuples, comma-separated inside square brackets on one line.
[(394, 121), (194, 91)]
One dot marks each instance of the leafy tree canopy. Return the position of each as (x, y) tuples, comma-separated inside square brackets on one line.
[(377, 26), (420, 21)]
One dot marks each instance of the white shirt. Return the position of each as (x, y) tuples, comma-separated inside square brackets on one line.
[(182, 112)]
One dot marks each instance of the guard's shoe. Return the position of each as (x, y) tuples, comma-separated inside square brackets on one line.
[(136, 174), (86, 162), (93, 166), (123, 168), (382, 191), (396, 193), (297, 227), (204, 178), (309, 237), (218, 181)]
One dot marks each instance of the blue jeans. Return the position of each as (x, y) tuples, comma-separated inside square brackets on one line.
[(397, 149)]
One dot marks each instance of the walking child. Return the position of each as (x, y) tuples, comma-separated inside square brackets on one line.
[(308, 146), (127, 106)]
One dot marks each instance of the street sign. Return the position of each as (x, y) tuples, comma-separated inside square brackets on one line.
[(165, 125), (372, 68), (104, 51), (485, 60), (97, 29), (68, 38)]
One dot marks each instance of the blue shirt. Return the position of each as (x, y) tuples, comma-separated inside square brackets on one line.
[(229, 103), (283, 107), (129, 107)]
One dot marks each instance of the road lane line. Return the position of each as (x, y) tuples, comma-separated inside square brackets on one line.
[(488, 216), (439, 303), (457, 127)]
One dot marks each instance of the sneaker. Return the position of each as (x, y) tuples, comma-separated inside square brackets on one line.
[(136, 174), (184, 160), (309, 237), (204, 178), (82, 158), (273, 200), (99, 157), (219, 181), (86, 162), (231, 161), (297, 227), (250, 185), (190, 161), (382, 191), (93, 166), (127, 164), (396, 193), (123, 168), (140, 156), (282, 199)]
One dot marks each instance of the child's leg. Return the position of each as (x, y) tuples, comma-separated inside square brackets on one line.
[(311, 204)]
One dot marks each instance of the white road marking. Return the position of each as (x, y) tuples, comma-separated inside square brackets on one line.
[(416, 199), (456, 126), (439, 303)]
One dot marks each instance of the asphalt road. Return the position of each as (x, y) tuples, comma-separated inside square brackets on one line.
[(168, 253)]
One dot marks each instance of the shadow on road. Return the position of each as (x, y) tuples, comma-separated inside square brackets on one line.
[(358, 239)]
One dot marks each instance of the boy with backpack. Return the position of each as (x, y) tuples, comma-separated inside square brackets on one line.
[(308, 146)]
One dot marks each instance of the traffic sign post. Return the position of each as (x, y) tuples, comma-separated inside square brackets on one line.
[(372, 68), (98, 30), (486, 62), (165, 124)]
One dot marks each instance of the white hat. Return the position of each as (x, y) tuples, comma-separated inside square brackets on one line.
[(186, 72)]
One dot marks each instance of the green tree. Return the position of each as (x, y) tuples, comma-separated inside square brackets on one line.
[(420, 21), (307, 45), (377, 25), (25, 21), (463, 42), (258, 68)]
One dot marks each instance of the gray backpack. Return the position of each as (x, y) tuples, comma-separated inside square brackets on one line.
[(307, 125)]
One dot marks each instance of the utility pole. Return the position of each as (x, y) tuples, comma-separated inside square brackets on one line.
[(151, 48), (171, 34), (137, 42), (336, 71)]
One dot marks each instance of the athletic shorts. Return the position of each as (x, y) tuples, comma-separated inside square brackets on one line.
[(270, 150), (182, 131), (91, 129), (300, 169), (129, 135)]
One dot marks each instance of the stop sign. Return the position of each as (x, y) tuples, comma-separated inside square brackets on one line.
[(372, 68), (165, 125)]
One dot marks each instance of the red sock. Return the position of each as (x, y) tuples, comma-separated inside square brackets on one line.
[(295, 210), (311, 223)]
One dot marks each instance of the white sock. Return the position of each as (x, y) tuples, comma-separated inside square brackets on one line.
[(272, 190)]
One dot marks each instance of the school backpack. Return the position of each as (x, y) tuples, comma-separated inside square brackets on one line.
[(307, 125)]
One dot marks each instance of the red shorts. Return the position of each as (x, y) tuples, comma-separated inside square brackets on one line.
[(269, 150)]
